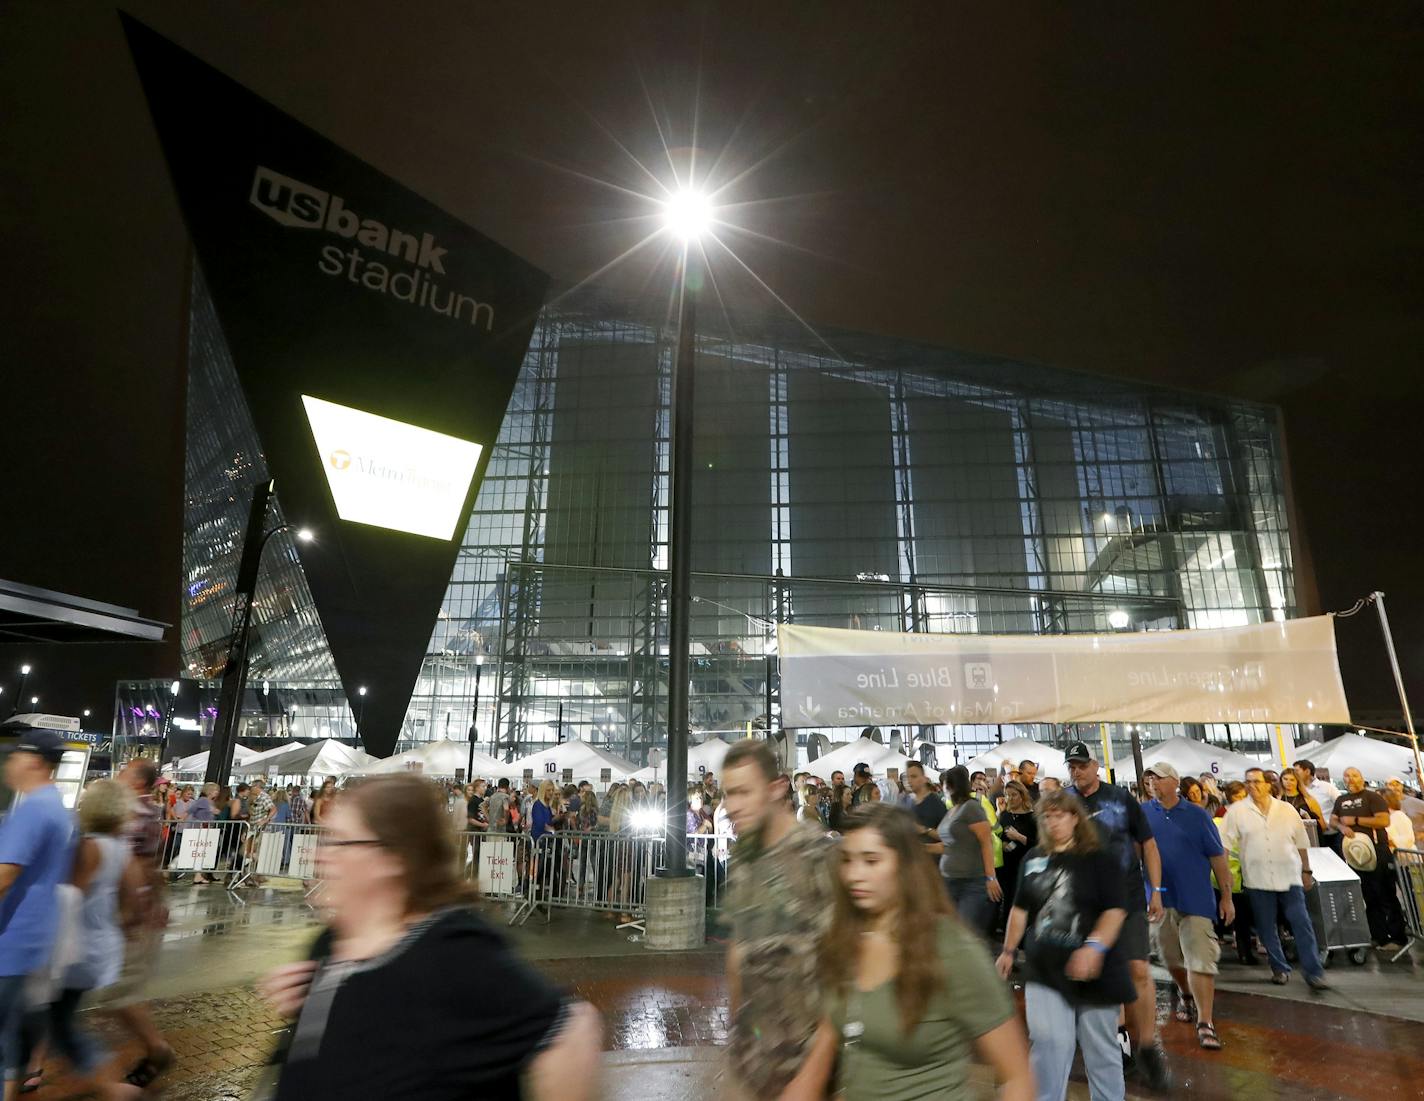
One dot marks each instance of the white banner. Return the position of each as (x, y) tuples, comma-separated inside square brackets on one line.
[(1265, 673)]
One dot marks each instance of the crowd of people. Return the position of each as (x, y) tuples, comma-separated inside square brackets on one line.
[(874, 923), (82, 914)]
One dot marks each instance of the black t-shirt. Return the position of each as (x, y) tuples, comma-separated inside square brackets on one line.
[(446, 1045), (1027, 825), (1065, 894), (1123, 826), (929, 812), (1364, 804), (475, 808)]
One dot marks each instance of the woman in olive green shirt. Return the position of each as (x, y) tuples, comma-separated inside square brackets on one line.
[(911, 992)]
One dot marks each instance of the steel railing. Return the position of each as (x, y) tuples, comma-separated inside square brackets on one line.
[(221, 851), (608, 872), (598, 871), (1409, 877)]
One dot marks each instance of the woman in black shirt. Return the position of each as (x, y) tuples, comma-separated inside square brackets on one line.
[(1068, 911), (400, 926), (1019, 829)]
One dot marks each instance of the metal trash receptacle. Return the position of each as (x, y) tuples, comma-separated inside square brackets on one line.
[(1337, 907)]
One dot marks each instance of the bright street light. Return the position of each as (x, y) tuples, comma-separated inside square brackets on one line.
[(34, 701), (361, 691), (305, 535), (175, 688), (1118, 619), (687, 214), (24, 670), (86, 712)]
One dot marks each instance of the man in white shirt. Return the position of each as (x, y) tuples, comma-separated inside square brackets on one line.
[(1268, 837), (1324, 793)]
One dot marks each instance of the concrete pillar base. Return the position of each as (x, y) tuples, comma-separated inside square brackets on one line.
[(676, 915)]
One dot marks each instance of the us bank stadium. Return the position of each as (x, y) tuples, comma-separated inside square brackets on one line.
[(850, 481)]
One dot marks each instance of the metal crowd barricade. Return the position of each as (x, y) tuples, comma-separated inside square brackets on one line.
[(287, 850), (1409, 875), (710, 854), (219, 850), (497, 862), (590, 871)]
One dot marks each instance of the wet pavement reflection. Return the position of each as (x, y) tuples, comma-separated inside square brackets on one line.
[(656, 1004)]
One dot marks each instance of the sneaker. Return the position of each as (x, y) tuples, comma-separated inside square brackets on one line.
[(1280, 977), (1152, 1068), (1317, 983)]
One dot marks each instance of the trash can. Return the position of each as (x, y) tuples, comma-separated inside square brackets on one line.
[(1337, 908)]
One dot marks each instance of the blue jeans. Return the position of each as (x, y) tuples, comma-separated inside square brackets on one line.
[(1056, 1029), (1265, 905), (12, 1012), (971, 899)]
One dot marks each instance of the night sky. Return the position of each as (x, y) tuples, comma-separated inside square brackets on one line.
[(1215, 198)]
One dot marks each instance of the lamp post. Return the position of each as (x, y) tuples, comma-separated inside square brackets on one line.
[(235, 671), (687, 215), (474, 720), (360, 709)]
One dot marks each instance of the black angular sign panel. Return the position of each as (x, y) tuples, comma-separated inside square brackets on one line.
[(377, 340)]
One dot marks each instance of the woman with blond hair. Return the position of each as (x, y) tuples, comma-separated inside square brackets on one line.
[(400, 924), (1067, 914), (911, 991)]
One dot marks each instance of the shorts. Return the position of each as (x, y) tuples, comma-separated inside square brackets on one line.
[(1134, 940), (1187, 941), (140, 961)]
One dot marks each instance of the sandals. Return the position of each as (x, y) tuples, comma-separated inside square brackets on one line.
[(1184, 1007), (1207, 1037), (147, 1070)]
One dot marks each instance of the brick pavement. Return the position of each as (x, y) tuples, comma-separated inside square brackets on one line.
[(1274, 1049)]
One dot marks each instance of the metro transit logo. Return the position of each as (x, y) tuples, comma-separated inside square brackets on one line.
[(339, 460)]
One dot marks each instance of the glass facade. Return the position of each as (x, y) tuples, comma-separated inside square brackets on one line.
[(288, 650), (850, 481), (840, 479)]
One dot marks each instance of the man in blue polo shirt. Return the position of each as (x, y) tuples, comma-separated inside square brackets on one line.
[(36, 855), (1190, 848)]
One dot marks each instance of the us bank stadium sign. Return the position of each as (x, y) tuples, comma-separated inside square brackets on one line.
[(399, 263)]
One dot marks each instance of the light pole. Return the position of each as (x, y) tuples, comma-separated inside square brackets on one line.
[(361, 712), (235, 671), (474, 720), (687, 215)]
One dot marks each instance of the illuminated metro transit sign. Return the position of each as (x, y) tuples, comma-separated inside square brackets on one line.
[(390, 474)]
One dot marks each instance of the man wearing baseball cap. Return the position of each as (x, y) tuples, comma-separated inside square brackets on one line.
[(36, 855), (1128, 835), (1190, 849)]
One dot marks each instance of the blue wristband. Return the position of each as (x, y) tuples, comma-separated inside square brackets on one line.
[(1093, 942)]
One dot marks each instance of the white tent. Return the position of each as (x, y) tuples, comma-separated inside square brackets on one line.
[(442, 758), (1377, 760), (701, 759), (1049, 760), (267, 754), (581, 760), (324, 758), (1190, 758), (197, 763), (844, 758)]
